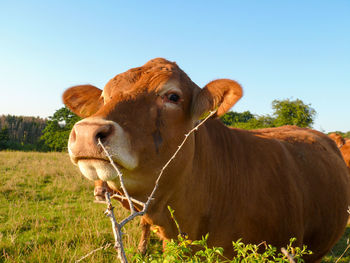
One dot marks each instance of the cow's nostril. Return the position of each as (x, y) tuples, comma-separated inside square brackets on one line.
[(102, 136), (104, 133)]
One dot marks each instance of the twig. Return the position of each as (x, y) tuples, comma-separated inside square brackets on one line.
[(289, 256), (342, 254), (120, 175), (92, 252), (118, 245), (346, 249), (109, 212), (142, 204), (211, 113)]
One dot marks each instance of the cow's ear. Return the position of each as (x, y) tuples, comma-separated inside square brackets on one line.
[(83, 100), (220, 95)]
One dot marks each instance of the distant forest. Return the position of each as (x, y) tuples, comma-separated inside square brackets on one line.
[(22, 133)]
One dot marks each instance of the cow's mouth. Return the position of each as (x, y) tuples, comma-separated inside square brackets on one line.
[(95, 169), (76, 159)]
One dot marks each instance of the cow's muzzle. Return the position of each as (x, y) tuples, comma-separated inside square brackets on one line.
[(84, 138), (86, 152)]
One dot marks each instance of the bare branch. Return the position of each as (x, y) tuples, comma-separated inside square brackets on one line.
[(172, 157), (289, 256), (119, 174), (142, 204), (118, 245), (93, 251), (342, 254)]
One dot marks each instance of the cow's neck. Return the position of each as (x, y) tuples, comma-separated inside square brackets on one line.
[(201, 182), (215, 162)]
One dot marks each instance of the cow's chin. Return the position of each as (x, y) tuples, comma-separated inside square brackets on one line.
[(97, 170)]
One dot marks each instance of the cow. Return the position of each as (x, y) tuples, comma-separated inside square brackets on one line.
[(343, 145), (260, 185), (100, 189)]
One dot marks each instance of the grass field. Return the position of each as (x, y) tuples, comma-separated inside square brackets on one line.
[(47, 213)]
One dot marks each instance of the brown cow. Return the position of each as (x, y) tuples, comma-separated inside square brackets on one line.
[(343, 145), (264, 185)]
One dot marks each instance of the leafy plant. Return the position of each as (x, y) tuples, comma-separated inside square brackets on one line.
[(184, 250)]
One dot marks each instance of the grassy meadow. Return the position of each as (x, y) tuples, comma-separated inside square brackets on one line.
[(47, 213)]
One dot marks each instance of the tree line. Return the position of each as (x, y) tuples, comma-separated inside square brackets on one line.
[(37, 134), (285, 112), (22, 133)]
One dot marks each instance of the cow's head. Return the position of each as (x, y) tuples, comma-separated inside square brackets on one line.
[(141, 117)]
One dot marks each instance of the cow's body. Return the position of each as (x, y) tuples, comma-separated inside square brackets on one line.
[(264, 185), (269, 186)]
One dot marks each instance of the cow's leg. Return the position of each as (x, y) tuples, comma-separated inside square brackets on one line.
[(146, 230), (101, 188)]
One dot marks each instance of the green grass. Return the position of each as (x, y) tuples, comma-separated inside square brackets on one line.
[(47, 213)]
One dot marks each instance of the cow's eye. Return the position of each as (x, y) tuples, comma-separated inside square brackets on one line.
[(173, 97)]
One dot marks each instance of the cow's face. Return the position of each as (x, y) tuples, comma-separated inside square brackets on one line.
[(141, 117)]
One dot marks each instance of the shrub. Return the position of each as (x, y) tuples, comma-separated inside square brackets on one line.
[(184, 250)]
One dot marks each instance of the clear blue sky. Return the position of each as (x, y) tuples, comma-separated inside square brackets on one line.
[(275, 49)]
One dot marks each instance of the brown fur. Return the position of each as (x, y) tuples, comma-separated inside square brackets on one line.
[(263, 185), (337, 138), (345, 150), (100, 189), (343, 145)]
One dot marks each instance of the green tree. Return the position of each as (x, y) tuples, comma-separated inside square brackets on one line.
[(286, 112), (253, 123), (246, 120), (56, 133), (293, 112), (232, 117)]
